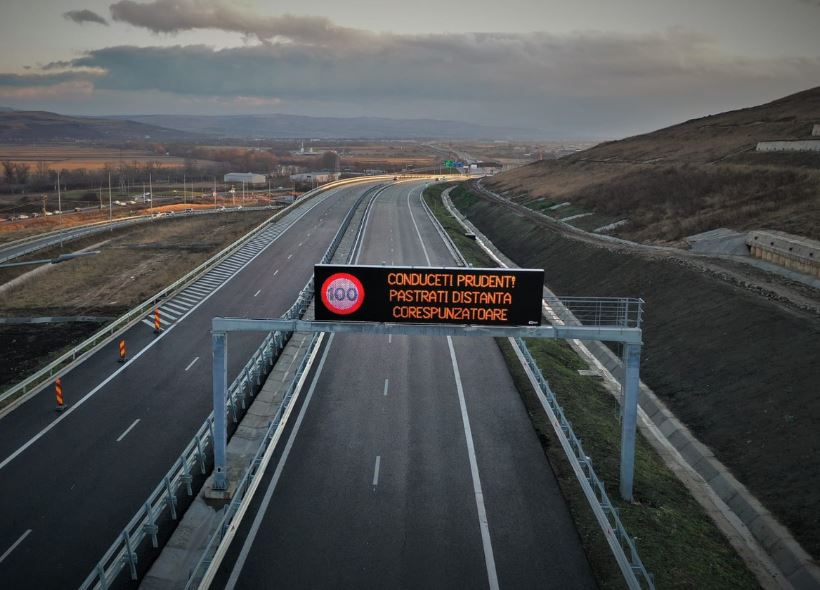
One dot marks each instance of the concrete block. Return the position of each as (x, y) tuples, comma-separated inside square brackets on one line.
[(694, 452), (723, 487), (706, 468), (744, 507), (766, 531), (786, 555), (679, 439), (669, 427), (806, 577)]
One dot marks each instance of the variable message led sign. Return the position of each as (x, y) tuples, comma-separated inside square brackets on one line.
[(424, 295)]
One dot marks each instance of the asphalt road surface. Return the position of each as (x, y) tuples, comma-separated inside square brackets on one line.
[(413, 465), (14, 250), (71, 482)]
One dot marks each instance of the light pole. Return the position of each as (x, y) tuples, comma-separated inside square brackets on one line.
[(60, 207), (110, 211)]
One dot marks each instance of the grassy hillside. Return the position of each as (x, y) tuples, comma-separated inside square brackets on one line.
[(688, 178)]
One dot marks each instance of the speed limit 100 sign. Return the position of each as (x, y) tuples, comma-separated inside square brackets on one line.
[(342, 293)]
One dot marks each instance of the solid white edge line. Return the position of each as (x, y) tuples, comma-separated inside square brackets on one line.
[(489, 559), (70, 409), (14, 546), (416, 225), (192, 363), (486, 541), (127, 430), (263, 506), (376, 470)]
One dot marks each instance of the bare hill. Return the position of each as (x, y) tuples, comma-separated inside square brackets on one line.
[(278, 126), (688, 178), (38, 126)]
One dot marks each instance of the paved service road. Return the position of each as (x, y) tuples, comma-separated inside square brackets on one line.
[(414, 466), (71, 483)]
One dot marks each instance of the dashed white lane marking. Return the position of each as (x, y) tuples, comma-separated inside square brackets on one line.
[(276, 272), (390, 338), (290, 256), (257, 293), (192, 363), (386, 385), (376, 470), (127, 430), (14, 546), (300, 244)]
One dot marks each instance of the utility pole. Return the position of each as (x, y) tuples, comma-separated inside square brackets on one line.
[(214, 191), (184, 202), (150, 194), (60, 207), (110, 210)]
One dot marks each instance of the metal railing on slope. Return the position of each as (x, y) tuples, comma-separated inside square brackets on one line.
[(60, 364), (259, 461), (143, 526), (622, 545)]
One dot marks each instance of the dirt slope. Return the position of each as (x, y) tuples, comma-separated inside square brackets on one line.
[(688, 178)]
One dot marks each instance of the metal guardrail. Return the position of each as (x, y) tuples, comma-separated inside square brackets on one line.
[(143, 525), (50, 371), (74, 233), (622, 545), (254, 469), (598, 311), (247, 482), (612, 311)]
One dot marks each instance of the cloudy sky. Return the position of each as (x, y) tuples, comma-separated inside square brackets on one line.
[(574, 68)]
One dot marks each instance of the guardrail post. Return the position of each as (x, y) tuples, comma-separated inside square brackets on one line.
[(629, 409), (220, 386)]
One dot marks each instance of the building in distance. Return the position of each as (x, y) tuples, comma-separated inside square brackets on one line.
[(246, 177)]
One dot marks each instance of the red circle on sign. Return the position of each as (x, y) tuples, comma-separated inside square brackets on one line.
[(342, 293)]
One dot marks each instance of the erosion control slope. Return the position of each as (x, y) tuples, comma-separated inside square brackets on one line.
[(739, 369)]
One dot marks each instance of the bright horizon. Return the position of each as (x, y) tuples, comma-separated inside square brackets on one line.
[(590, 69)]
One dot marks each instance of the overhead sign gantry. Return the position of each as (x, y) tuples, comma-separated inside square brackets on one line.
[(442, 301)]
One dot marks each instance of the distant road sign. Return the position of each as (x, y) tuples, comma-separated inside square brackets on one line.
[(429, 295)]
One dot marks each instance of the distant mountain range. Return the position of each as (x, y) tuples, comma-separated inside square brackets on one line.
[(28, 126), (276, 126)]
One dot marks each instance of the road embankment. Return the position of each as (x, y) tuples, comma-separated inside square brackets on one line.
[(738, 368)]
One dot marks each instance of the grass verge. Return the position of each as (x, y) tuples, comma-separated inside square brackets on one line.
[(676, 539), (468, 247)]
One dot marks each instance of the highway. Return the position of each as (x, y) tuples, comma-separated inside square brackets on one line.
[(17, 248), (72, 481), (412, 464)]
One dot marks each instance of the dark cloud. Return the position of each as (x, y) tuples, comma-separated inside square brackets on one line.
[(38, 80), (173, 16), (596, 81), (84, 16)]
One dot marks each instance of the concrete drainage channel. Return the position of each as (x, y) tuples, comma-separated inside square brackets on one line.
[(266, 413), (768, 548)]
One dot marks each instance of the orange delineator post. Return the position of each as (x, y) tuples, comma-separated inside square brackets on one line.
[(58, 392), (156, 321), (122, 350)]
